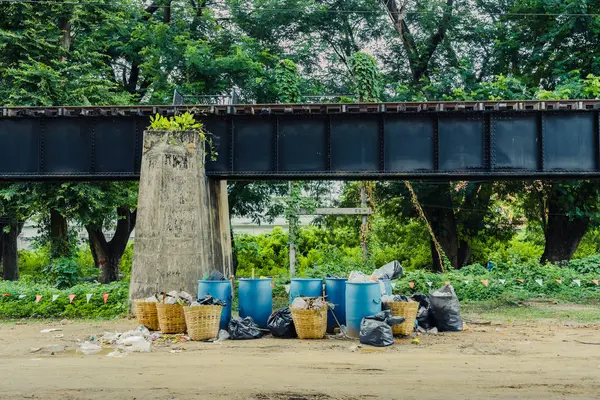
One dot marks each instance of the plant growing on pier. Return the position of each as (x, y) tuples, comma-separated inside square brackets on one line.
[(183, 122)]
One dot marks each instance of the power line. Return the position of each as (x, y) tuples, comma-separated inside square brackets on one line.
[(298, 10)]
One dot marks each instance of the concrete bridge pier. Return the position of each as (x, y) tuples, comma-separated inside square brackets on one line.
[(182, 229)]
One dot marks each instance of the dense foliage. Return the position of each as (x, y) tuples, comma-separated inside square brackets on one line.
[(130, 52)]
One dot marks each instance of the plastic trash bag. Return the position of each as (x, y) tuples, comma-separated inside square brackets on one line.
[(424, 314), (242, 329), (376, 330), (445, 308), (223, 336), (392, 270), (89, 348), (117, 354), (299, 304), (358, 277), (135, 344), (208, 300), (214, 275), (281, 324)]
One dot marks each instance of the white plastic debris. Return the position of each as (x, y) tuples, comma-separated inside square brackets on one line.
[(89, 348), (110, 337), (358, 277), (223, 336), (135, 344), (50, 330), (117, 353), (140, 331), (299, 304), (151, 299)]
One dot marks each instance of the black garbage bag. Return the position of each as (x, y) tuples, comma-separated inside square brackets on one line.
[(424, 315), (242, 329), (281, 324), (392, 270), (445, 308), (208, 300), (376, 330)]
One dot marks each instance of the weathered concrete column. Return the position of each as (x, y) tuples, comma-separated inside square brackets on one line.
[(182, 228)]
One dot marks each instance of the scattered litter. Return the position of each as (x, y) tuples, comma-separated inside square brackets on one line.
[(354, 348), (415, 341), (89, 348), (117, 354), (34, 349), (592, 343), (151, 299), (155, 336), (376, 330), (243, 329), (299, 304), (281, 324), (223, 336), (446, 309), (135, 344), (110, 337), (432, 331), (51, 330), (58, 336), (177, 351), (66, 322)]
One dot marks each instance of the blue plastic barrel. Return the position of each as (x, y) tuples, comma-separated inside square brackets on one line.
[(303, 287), (335, 290), (219, 290), (362, 300), (388, 286), (255, 297)]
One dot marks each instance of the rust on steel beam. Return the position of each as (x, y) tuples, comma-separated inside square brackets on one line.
[(300, 109)]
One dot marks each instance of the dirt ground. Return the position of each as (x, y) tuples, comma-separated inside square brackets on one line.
[(504, 360)]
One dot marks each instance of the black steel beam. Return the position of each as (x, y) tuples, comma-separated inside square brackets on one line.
[(447, 140)]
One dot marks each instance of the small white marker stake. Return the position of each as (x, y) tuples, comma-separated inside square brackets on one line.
[(577, 282), (88, 297), (539, 282), (502, 281), (54, 297), (429, 284)]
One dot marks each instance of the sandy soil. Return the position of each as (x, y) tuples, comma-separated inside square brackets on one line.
[(533, 361)]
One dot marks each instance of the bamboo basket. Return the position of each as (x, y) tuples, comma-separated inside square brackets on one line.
[(170, 318), (407, 310), (146, 314), (310, 324), (203, 321)]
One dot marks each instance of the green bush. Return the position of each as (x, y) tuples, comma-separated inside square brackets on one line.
[(12, 306)]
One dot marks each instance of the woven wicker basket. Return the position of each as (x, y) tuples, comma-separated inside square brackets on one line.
[(146, 314), (310, 324), (202, 321), (408, 310), (170, 318)]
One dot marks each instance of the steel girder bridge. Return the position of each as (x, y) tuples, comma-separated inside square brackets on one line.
[(428, 140)]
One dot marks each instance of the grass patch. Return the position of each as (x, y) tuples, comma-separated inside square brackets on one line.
[(531, 311)]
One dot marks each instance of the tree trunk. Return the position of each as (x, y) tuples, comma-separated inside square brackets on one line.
[(10, 256), (59, 235), (107, 255), (562, 233)]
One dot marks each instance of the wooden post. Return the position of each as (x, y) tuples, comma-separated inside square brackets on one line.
[(363, 228)]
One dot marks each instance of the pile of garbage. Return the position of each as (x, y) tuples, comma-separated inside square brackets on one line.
[(309, 303), (151, 299), (244, 329), (175, 297), (137, 340)]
